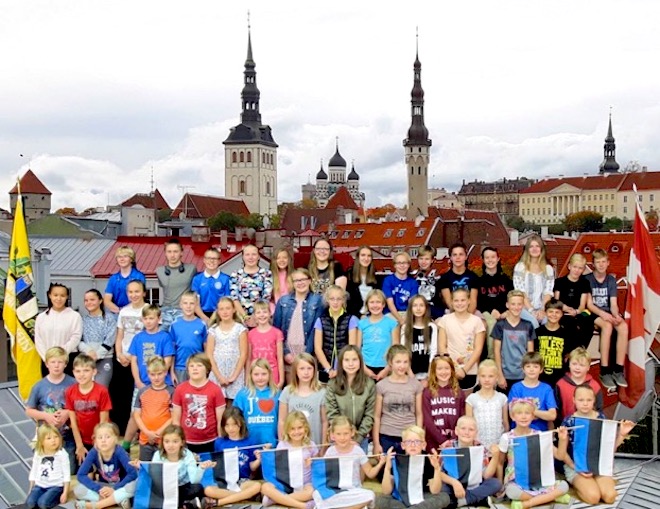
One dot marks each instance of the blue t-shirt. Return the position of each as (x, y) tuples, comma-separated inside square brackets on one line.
[(189, 337), (260, 411), (117, 286), (245, 456), (400, 290), (376, 339), (144, 346), (514, 345), (543, 396), (210, 289), (46, 396)]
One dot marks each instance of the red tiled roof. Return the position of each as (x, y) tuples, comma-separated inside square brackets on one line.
[(479, 227), (616, 244), (198, 206), (395, 233), (147, 201), (588, 182), (643, 180), (149, 254), (292, 220), (342, 198), (30, 184), (451, 214)]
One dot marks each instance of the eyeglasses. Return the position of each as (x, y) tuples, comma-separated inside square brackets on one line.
[(413, 442), (321, 249), (301, 280), (212, 258), (401, 263)]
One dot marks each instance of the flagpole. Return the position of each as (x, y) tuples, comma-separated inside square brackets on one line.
[(301, 447), (348, 456)]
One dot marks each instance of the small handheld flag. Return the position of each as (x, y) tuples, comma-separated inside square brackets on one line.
[(594, 443), (284, 468), (332, 475), (465, 464), (409, 478), (533, 461), (226, 472), (157, 486)]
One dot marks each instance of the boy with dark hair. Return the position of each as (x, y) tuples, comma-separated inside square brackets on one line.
[(604, 305), (174, 278), (531, 388), (458, 276), (553, 343), (427, 277)]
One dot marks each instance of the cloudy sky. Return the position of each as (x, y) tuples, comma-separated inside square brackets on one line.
[(95, 94)]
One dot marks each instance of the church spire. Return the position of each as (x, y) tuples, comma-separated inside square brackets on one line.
[(609, 164), (250, 93), (418, 134)]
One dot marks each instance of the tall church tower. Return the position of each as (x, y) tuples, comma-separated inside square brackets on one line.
[(609, 164), (417, 149), (251, 151)]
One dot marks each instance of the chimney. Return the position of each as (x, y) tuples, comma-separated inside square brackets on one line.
[(238, 233), (544, 232), (260, 239), (223, 240), (514, 238)]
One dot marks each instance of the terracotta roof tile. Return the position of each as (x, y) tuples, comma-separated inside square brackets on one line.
[(588, 182), (296, 220), (30, 184), (342, 198), (199, 206), (643, 180), (147, 201), (392, 234)]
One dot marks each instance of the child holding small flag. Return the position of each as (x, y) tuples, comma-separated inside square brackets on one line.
[(189, 472), (416, 482), (591, 486), (235, 437), (339, 485), (537, 484), (463, 446), (297, 491), (579, 362), (531, 387)]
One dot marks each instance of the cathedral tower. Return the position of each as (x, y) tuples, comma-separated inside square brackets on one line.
[(609, 164)]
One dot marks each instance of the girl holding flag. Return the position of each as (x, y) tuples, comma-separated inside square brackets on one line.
[(592, 481)]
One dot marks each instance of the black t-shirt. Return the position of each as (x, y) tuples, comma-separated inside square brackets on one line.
[(493, 291), (554, 347), (420, 360), (570, 292), (321, 284), (452, 281), (427, 288)]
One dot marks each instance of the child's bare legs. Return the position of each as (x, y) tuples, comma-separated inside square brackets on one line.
[(621, 342), (131, 431), (605, 340), (249, 489), (526, 500), (594, 488), (296, 499)]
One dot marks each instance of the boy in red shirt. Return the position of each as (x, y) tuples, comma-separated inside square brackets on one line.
[(88, 404)]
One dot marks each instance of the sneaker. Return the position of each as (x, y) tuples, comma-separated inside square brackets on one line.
[(608, 381), (310, 505), (125, 504), (266, 501), (564, 499), (620, 380)]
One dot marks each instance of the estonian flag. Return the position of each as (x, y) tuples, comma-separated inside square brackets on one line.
[(533, 461), (409, 479), (157, 486), (284, 468), (465, 464), (226, 473), (594, 443), (332, 475)]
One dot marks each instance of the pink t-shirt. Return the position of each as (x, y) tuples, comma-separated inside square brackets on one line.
[(263, 345)]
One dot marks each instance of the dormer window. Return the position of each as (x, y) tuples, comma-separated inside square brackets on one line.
[(401, 232), (421, 232), (333, 234), (346, 234), (358, 234), (388, 233)]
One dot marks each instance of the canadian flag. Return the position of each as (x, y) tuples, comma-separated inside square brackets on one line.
[(642, 307)]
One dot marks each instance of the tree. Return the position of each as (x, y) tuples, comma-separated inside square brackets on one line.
[(652, 220), (224, 221), (613, 223), (584, 221), (66, 211), (309, 203), (378, 212), (254, 220), (516, 222)]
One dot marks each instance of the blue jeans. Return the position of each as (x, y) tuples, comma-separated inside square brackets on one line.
[(478, 494), (44, 498)]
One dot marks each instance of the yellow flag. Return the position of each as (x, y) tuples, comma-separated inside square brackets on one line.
[(20, 307)]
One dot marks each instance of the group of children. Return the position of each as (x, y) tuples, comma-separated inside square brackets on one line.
[(205, 386)]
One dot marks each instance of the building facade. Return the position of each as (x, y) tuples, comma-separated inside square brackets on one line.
[(499, 196), (36, 197), (251, 151)]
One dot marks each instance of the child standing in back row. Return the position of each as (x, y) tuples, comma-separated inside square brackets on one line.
[(188, 335), (400, 286), (267, 342), (376, 333), (574, 291)]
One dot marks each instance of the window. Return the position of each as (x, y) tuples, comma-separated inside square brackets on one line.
[(421, 232), (600, 196), (267, 188), (358, 234), (625, 210), (413, 252), (346, 234), (234, 157), (401, 232), (241, 187), (241, 157), (641, 198), (333, 234), (388, 233), (385, 251), (651, 197), (153, 295), (625, 199), (249, 156)]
